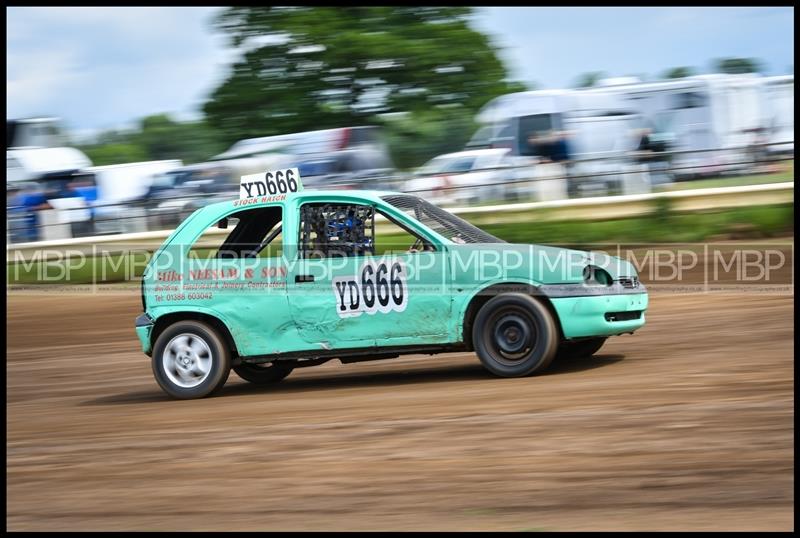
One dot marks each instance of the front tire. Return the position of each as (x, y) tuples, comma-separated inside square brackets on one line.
[(190, 360), (262, 374), (514, 335)]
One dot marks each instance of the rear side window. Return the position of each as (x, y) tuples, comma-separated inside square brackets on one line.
[(329, 230)]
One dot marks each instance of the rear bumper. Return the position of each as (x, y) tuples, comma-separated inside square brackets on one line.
[(144, 326), (587, 316)]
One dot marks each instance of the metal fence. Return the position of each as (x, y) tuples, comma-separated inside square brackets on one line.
[(629, 173)]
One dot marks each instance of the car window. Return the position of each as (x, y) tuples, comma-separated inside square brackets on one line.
[(329, 230), (460, 165), (489, 161), (440, 221), (250, 233), (395, 238), (434, 166)]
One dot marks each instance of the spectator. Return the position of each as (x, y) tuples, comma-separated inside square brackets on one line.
[(559, 148), (84, 187), (645, 146), (651, 155), (537, 145), (757, 148), (28, 202), (561, 154)]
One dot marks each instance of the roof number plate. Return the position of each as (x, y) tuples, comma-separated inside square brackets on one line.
[(271, 183)]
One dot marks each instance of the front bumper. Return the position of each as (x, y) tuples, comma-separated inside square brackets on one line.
[(600, 315), (144, 327)]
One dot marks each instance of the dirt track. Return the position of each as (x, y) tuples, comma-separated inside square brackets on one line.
[(686, 425)]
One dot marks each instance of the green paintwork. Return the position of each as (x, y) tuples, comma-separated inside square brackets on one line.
[(585, 316), (144, 338), (268, 313)]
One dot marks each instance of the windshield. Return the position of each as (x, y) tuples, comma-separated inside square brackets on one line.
[(440, 221), (434, 166)]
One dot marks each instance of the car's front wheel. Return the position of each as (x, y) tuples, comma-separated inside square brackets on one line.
[(514, 335), (262, 374), (190, 360)]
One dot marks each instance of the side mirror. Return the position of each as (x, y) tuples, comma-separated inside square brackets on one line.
[(223, 223)]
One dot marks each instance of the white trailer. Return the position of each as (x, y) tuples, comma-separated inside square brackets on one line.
[(779, 97)]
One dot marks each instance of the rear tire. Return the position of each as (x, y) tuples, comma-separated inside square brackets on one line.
[(514, 335), (580, 348), (190, 360), (263, 374)]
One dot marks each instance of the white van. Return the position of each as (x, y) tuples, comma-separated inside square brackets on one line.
[(29, 164), (119, 184), (700, 113), (601, 131)]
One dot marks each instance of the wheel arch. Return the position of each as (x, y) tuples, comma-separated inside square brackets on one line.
[(483, 295), (167, 319)]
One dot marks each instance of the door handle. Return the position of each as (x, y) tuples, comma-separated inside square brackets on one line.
[(303, 278)]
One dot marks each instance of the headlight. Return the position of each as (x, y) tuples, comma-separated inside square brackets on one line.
[(595, 276)]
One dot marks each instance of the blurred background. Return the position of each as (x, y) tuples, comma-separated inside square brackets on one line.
[(128, 119), (661, 135)]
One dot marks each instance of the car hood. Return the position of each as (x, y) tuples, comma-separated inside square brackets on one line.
[(539, 263)]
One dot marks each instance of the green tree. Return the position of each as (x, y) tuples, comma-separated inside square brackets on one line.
[(164, 138), (115, 153), (158, 137), (734, 66), (679, 72), (587, 80), (417, 137), (307, 68)]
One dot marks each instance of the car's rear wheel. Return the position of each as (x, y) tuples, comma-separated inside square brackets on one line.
[(580, 348), (514, 335), (190, 360), (262, 374)]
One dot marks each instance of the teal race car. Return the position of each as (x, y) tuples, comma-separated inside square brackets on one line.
[(276, 281)]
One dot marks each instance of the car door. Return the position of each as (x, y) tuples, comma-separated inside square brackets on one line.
[(239, 274), (355, 283)]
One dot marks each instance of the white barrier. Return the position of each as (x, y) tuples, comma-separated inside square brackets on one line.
[(582, 208)]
